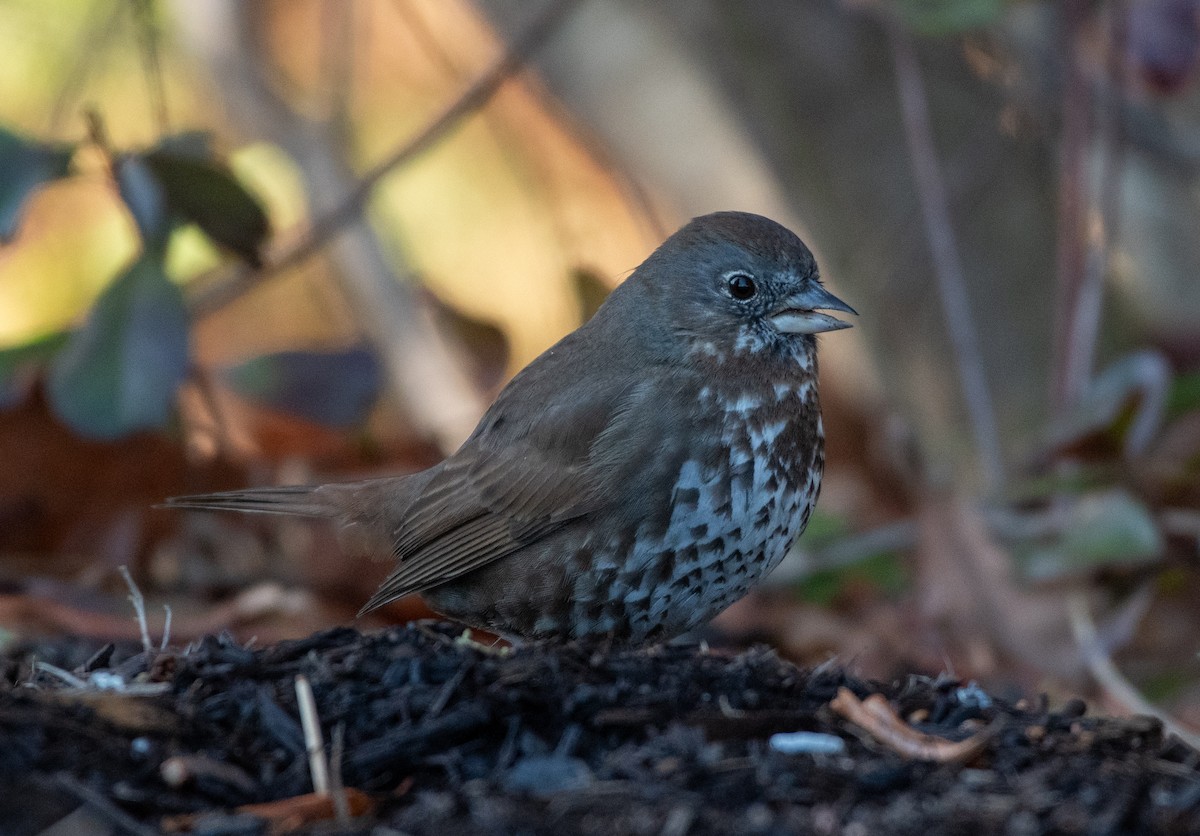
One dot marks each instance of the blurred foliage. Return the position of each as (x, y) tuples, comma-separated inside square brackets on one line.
[(25, 165), (337, 389), (118, 373), (112, 257), (885, 574), (194, 188), (948, 17), (180, 180), (21, 366), (1184, 396), (882, 572), (1110, 529)]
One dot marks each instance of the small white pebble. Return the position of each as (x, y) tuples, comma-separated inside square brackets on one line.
[(807, 743), (973, 696), (105, 681)]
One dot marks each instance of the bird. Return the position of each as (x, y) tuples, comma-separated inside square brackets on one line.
[(635, 479)]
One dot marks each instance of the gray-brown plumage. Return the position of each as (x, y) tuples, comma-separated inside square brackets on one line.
[(634, 479)]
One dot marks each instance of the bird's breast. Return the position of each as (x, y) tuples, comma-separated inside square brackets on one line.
[(737, 503)]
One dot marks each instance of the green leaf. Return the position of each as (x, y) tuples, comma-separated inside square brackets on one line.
[(333, 388), (1184, 395), (1102, 530), (20, 366), (119, 372), (948, 17), (24, 165), (885, 572), (196, 145), (205, 192), (145, 198)]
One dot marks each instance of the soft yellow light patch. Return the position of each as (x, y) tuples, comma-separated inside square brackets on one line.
[(272, 177), (190, 254), (73, 240)]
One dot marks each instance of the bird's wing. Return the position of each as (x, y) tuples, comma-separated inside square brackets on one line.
[(511, 484)]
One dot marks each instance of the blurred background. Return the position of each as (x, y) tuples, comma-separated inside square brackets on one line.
[(249, 243)]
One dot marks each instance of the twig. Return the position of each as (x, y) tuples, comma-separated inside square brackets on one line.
[(1105, 672), (338, 58), (1086, 226), (1070, 254), (93, 41), (947, 266), (202, 379), (139, 607), (875, 716), (178, 770), (166, 635), (314, 743), (220, 291), (57, 672), (148, 40), (341, 807), (124, 822), (727, 709), (541, 181), (443, 697)]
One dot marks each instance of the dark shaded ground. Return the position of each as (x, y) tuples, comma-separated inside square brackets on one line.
[(453, 739)]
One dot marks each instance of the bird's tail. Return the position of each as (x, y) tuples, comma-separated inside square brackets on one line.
[(299, 500)]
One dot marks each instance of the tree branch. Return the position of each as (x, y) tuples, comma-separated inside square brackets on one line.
[(218, 290), (939, 232)]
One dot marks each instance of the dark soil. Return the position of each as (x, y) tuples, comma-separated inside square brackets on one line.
[(450, 738)]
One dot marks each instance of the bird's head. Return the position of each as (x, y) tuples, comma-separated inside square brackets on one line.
[(737, 282)]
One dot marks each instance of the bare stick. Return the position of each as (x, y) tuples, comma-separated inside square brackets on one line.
[(314, 744), (166, 636), (624, 181), (103, 807), (875, 716), (947, 266), (341, 807), (149, 40), (57, 672), (1071, 247), (93, 42), (1083, 261), (1106, 674), (139, 607), (222, 290)]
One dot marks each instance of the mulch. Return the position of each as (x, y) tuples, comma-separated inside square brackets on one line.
[(437, 735)]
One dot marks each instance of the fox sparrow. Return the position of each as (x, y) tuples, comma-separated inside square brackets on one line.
[(635, 479)]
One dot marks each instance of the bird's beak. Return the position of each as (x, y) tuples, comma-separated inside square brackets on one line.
[(797, 314)]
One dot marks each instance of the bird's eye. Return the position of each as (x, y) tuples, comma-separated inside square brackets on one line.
[(742, 286)]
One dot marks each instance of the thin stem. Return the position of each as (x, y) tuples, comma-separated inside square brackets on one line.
[(94, 40), (1109, 677), (956, 307), (1071, 255), (1082, 295), (149, 40)]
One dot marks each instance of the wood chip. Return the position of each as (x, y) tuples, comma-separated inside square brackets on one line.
[(876, 716)]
